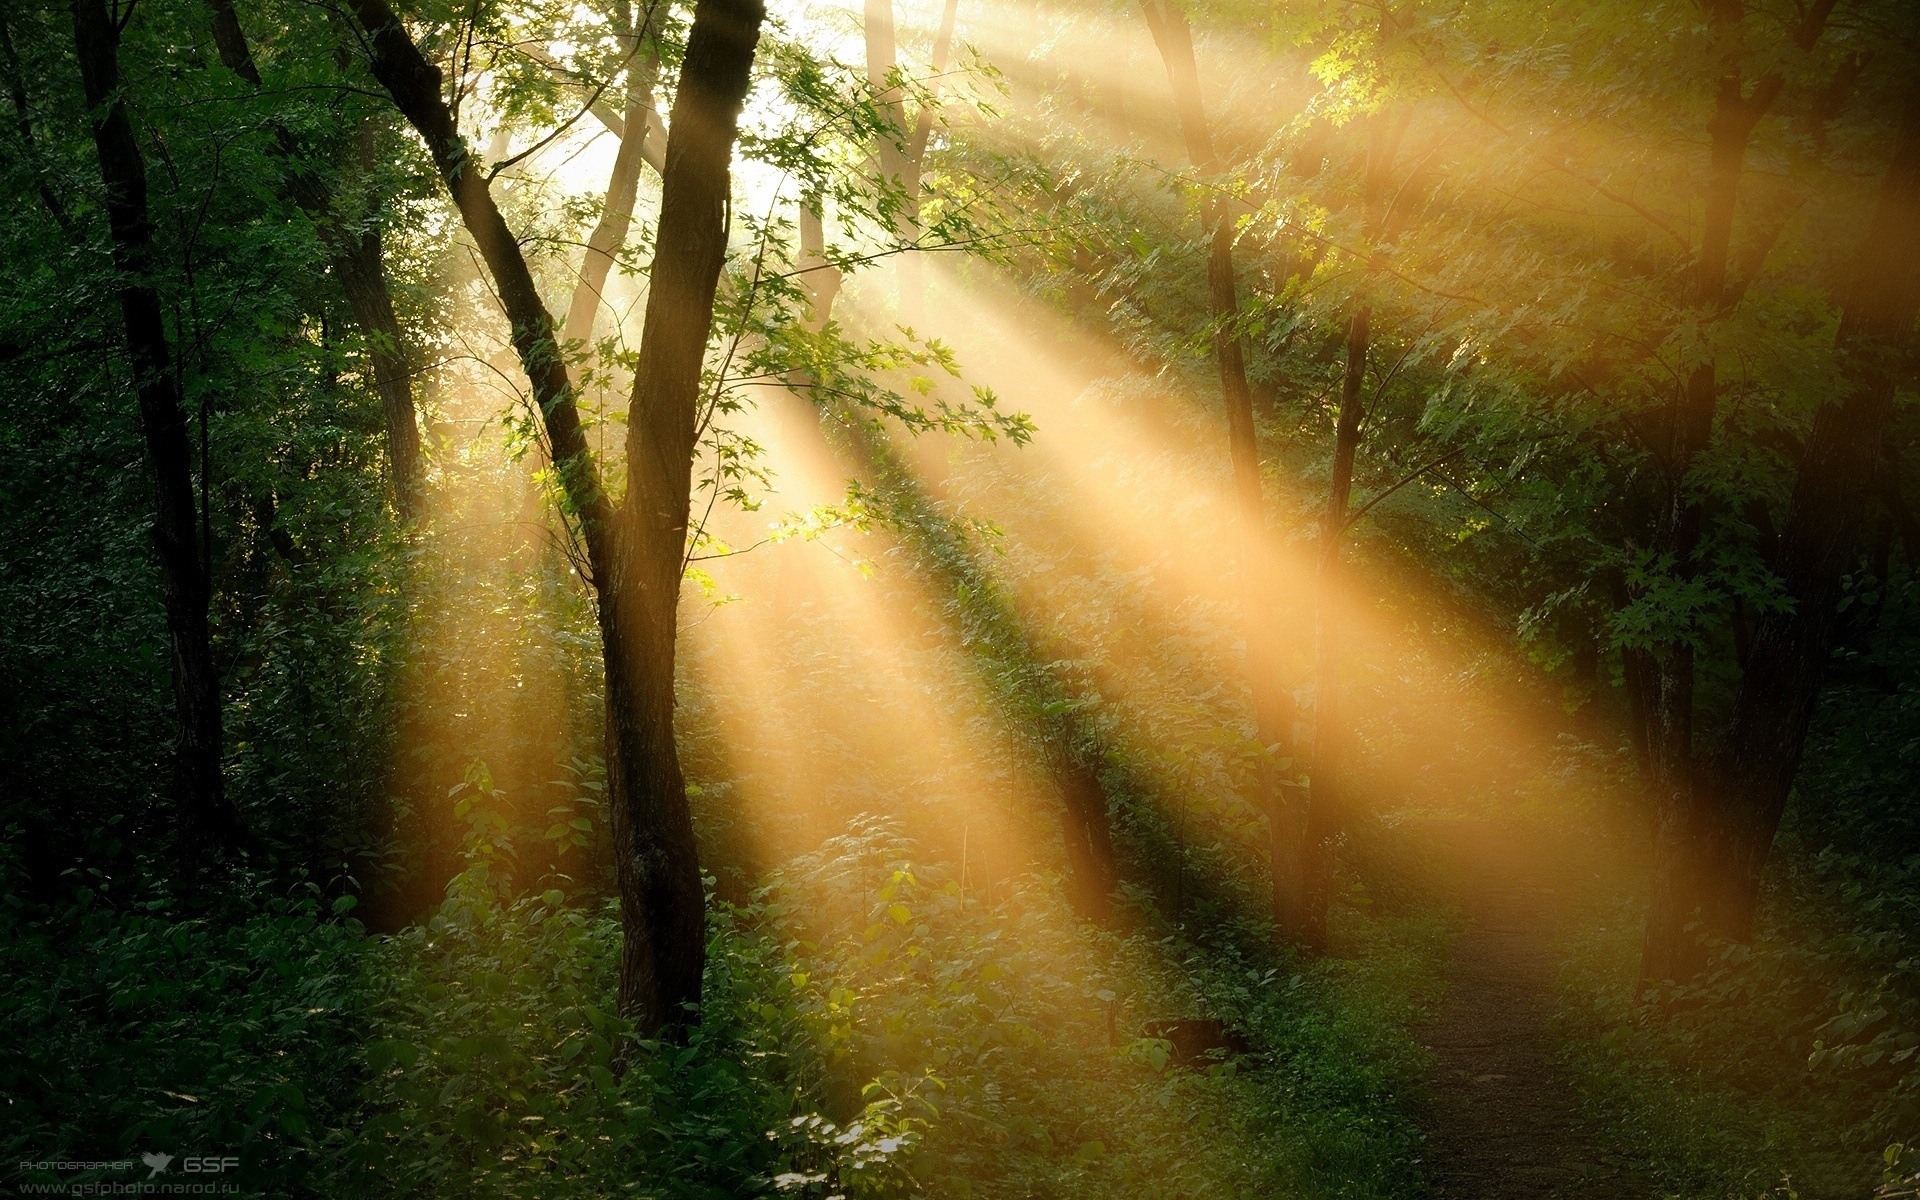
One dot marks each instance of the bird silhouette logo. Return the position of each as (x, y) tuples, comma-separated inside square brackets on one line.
[(156, 1163)]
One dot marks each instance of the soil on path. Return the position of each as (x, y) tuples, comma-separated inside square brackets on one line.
[(1502, 1120)]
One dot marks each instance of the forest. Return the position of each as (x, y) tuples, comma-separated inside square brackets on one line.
[(1079, 598)]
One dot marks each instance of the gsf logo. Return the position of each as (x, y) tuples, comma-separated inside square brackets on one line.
[(208, 1165)]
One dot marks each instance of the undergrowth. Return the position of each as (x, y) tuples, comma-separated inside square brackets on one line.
[(869, 1029), (1794, 1063)]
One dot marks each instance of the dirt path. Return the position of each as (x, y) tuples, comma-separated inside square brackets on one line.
[(1502, 1120)]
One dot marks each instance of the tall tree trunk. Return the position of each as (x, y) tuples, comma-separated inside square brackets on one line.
[(206, 812), (1325, 803), (653, 148), (1682, 809), (1272, 704), (359, 263), (609, 234), (357, 259), (1086, 825), (635, 554), (662, 425), (1781, 679)]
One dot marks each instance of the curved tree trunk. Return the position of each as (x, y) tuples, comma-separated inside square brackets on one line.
[(609, 234), (1086, 823), (913, 281), (658, 864), (636, 553)]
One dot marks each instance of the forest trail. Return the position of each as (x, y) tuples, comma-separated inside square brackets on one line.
[(1502, 1117)]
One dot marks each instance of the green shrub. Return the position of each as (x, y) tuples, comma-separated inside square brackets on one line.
[(869, 1029), (135, 1024)]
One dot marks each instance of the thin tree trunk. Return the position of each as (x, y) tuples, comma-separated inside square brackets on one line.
[(1781, 680), (913, 282), (1272, 704), (206, 811), (635, 554), (1086, 823), (653, 148), (1683, 814), (623, 190), (357, 259), (359, 263), (1325, 803), (23, 124)]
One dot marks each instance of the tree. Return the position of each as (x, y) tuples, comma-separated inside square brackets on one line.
[(636, 133), (185, 573), (357, 259), (900, 160), (1326, 804), (1781, 675), (1682, 804), (635, 549), (1086, 822), (1272, 704)]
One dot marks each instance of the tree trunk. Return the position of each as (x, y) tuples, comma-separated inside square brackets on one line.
[(1325, 804), (23, 125), (206, 812), (894, 166), (1085, 828), (658, 861), (1683, 812), (819, 279), (1781, 679), (636, 554), (913, 283), (1085, 825), (1272, 704), (358, 263), (623, 190)]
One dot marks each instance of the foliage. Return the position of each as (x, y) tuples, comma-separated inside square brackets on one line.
[(146, 1021), (876, 1021), (1793, 1055), (868, 1028)]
